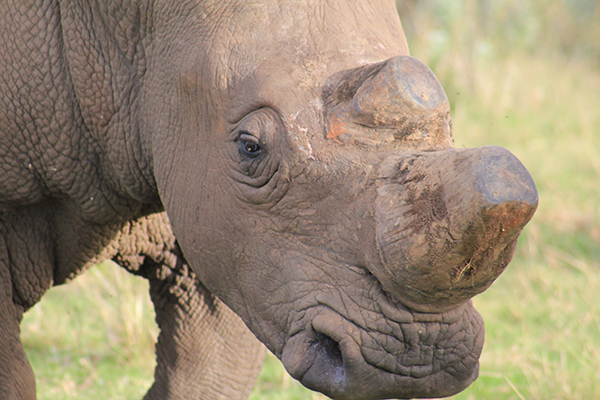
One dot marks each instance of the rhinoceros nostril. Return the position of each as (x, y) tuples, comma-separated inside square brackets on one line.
[(325, 344)]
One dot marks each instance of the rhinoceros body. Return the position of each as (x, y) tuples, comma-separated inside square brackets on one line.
[(279, 166)]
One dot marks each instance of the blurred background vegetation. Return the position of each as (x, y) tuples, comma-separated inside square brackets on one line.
[(521, 74)]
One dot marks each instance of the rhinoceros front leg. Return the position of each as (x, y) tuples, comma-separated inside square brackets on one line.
[(204, 350), (16, 376)]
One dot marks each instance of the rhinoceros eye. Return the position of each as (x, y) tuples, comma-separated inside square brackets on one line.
[(249, 145)]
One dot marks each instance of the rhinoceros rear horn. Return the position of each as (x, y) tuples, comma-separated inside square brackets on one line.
[(395, 102)]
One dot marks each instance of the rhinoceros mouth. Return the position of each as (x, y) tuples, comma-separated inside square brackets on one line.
[(386, 350)]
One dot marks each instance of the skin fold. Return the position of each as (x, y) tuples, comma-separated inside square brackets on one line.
[(290, 180)]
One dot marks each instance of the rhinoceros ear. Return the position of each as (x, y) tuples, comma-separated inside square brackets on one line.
[(397, 102)]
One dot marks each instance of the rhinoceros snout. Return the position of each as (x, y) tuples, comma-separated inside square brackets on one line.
[(448, 223)]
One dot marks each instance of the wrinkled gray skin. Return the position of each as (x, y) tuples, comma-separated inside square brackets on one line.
[(305, 164)]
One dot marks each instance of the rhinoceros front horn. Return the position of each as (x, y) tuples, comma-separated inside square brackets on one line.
[(448, 223)]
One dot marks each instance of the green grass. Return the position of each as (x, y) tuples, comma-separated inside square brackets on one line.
[(93, 338), (521, 89)]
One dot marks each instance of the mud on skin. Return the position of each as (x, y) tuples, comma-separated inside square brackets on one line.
[(291, 181)]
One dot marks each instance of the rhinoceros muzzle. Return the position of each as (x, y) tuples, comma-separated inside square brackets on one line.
[(405, 354), (446, 223)]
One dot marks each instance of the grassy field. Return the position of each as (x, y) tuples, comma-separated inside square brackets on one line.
[(523, 76)]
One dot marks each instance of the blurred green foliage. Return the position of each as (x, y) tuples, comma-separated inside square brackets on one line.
[(495, 28)]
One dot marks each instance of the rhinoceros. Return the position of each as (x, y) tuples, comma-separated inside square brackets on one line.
[(277, 170)]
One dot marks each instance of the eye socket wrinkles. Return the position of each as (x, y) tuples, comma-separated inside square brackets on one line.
[(255, 136), (256, 132), (260, 155)]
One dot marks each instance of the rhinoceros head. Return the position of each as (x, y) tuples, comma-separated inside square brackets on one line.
[(305, 162)]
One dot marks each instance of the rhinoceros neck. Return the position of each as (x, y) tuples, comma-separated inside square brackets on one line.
[(73, 167)]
